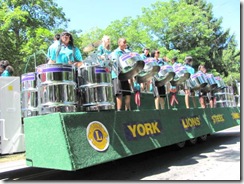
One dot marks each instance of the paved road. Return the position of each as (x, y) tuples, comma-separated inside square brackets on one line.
[(216, 159)]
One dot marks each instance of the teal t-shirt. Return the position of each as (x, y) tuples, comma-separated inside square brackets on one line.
[(65, 54), (115, 56), (102, 51), (5, 74), (190, 69)]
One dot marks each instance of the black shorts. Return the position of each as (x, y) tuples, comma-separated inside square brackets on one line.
[(119, 86), (209, 95), (201, 94), (159, 91)]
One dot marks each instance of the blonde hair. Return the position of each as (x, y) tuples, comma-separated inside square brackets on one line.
[(106, 45), (105, 37), (121, 39), (200, 67)]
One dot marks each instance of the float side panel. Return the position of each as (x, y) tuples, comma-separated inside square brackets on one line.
[(60, 141), (131, 133), (46, 144)]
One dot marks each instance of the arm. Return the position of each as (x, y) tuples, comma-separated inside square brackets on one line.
[(78, 61)]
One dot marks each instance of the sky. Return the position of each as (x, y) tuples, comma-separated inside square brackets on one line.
[(85, 15)]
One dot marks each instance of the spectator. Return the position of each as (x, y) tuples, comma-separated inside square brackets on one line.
[(8, 71)]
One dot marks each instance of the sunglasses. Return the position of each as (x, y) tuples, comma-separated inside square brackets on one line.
[(66, 35)]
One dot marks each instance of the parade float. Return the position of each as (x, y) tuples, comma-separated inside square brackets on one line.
[(70, 120)]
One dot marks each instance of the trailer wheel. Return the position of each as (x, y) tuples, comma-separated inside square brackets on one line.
[(181, 144), (193, 141), (203, 138)]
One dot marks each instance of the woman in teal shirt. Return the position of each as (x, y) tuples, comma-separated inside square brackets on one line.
[(103, 50), (188, 92), (65, 51)]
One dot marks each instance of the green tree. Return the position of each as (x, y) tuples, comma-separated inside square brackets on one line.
[(25, 29), (178, 28)]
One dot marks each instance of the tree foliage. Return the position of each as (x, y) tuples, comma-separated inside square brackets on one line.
[(176, 28), (25, 30)]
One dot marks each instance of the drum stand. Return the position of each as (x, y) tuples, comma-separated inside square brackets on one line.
[(206, 100), (167, 97)]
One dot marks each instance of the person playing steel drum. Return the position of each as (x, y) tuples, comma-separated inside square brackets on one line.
[(146, 85), (158, 92), (121, 88), (104, 50), (55, 42), (202, 69), (145, 53), (64, 51), (173, 87), (188, 91)]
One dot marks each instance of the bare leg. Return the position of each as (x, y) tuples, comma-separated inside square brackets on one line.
[(148, 86), (162, 102), (156, 101), (211, 102), (202, 102), (127, 103), (119, 102), (142, 86), (131, 84), (187, 93)]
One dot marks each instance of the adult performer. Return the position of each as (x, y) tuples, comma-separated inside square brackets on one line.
[(203, 94), (104, 50), (65, 51), (121, 88), (188, 92)]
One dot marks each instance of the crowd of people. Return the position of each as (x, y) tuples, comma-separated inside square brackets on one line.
[(63, 50), (6, 70)]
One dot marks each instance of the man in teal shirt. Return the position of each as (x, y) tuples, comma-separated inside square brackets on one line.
[(55, 43), (121, 88)]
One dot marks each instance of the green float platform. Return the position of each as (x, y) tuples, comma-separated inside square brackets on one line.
[(72, 141)]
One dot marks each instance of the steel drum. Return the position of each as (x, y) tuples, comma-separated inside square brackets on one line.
[(29, 105), (130, 64), (165, 74), (97, 98), (95, 87), (225, 97), (220, 84), (181, 75), (150, 69), (212, 84), (94, 75), (56, 88), (198, 81)]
